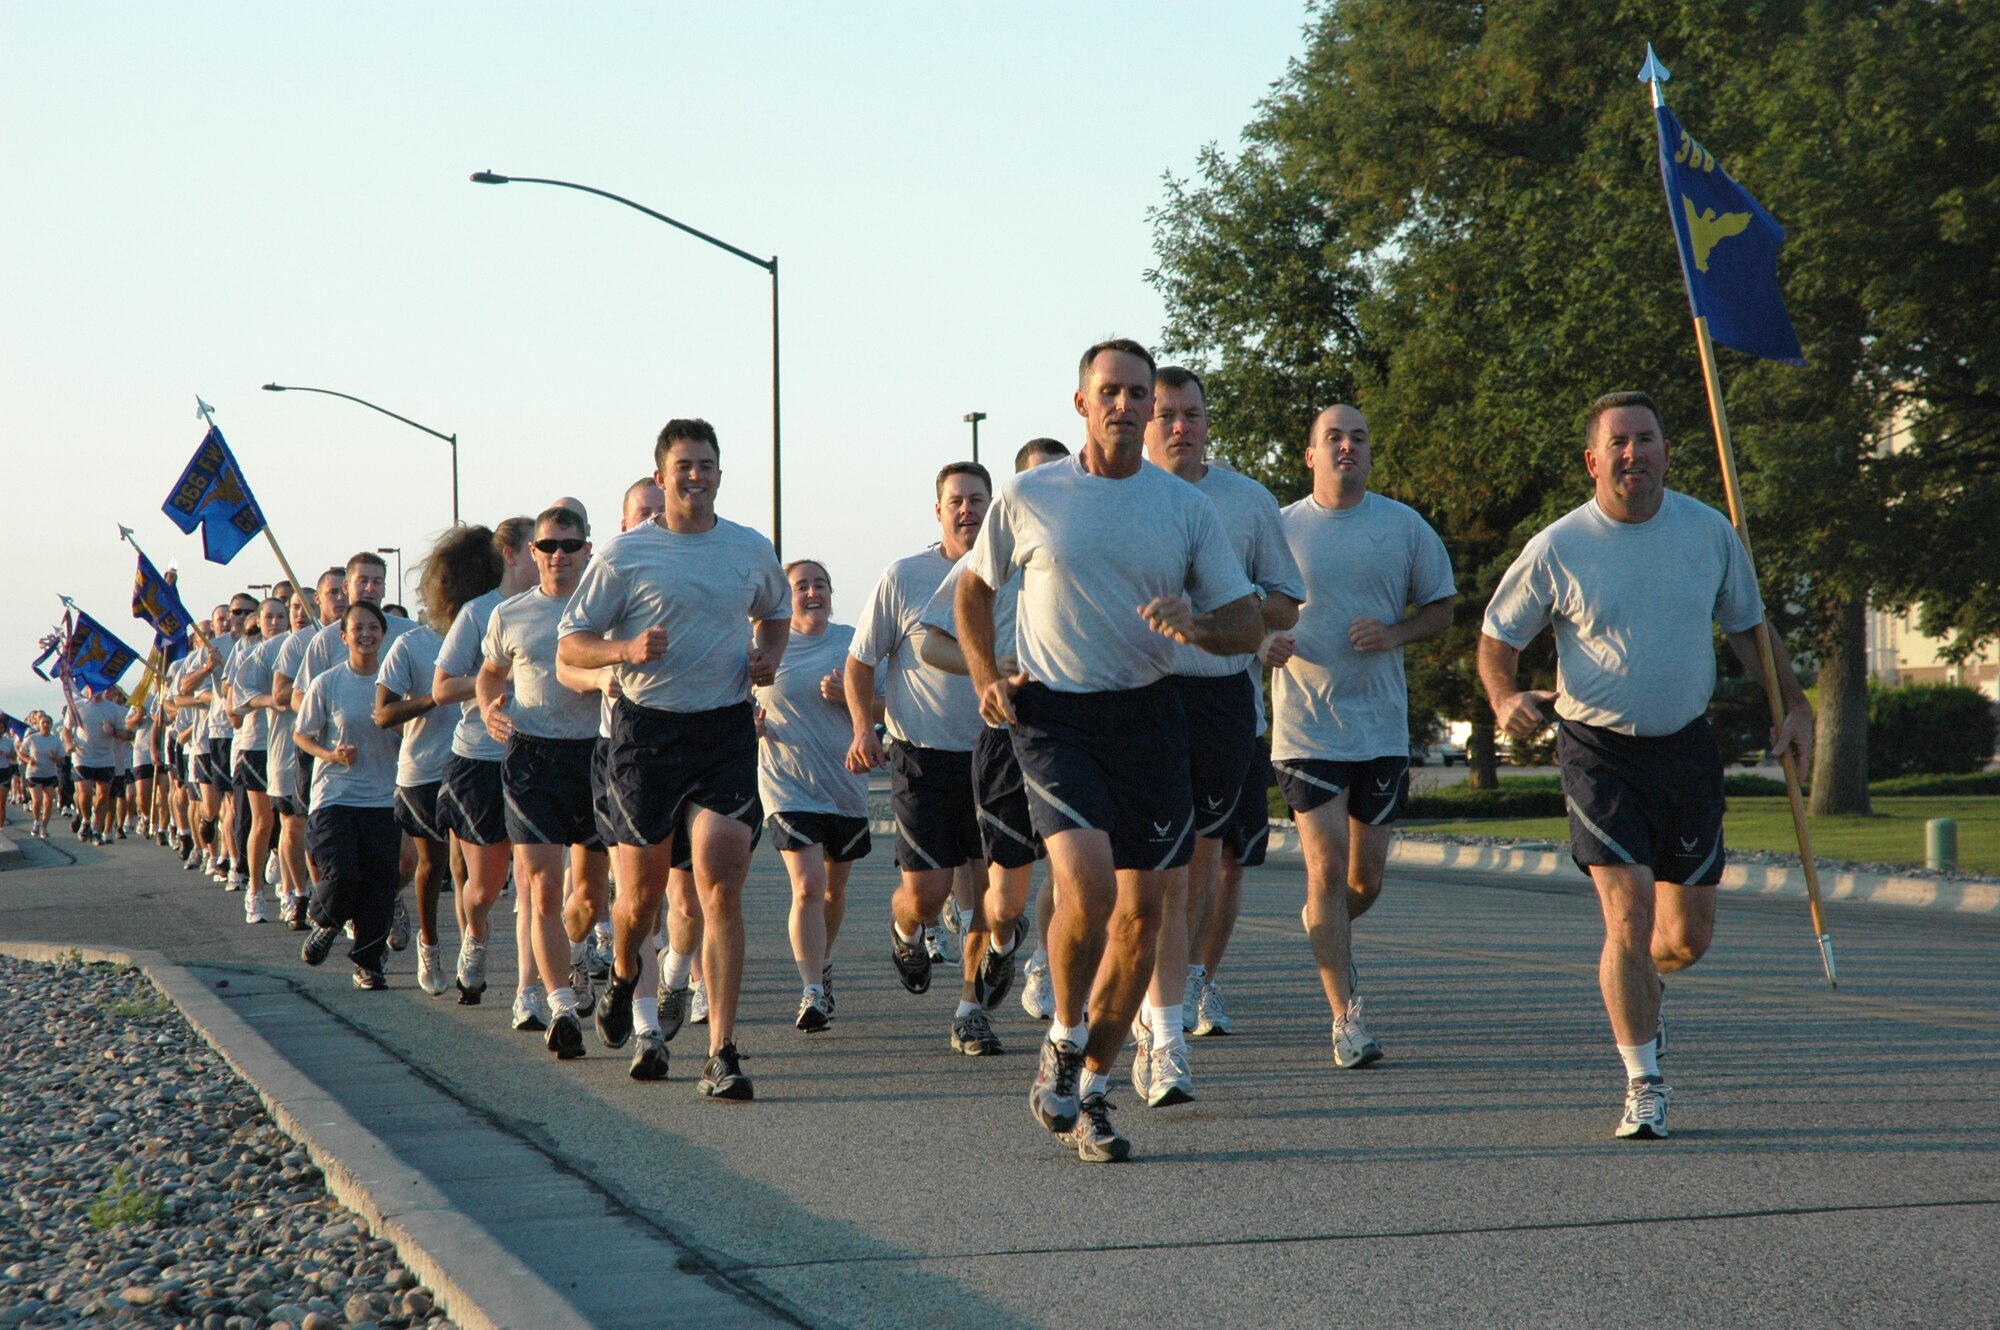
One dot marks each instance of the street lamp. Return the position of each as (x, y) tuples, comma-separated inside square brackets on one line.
[(769, 265), (973, 418), (451, 439), (396, 550)]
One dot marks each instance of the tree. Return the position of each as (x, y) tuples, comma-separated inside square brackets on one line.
[(1451, 212)]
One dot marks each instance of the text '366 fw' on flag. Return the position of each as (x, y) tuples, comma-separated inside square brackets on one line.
[(213, 494), (1728, 246)]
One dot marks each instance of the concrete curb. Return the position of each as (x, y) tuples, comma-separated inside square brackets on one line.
[(10, 850), (443, 1248)]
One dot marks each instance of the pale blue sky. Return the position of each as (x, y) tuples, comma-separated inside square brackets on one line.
[(198, 198)]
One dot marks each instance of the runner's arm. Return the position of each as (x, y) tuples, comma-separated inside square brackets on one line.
[(1796, 734), (1516, 712)]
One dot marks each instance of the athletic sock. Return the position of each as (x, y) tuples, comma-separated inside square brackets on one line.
[(901, 936), (646, 1013), (562, 1001), (677, 968), (649, 975), (1166, 1023), (965, 1009), (1640, 1059), (1013, 942), (1075, 1034), (816, 991), (576, 953), (1093, 1082)]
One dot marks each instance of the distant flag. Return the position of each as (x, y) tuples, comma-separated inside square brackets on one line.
[(169, 649), (213, 494), (1728, 246), (93, 654), (155, 600), (16, 728), (49, 644)]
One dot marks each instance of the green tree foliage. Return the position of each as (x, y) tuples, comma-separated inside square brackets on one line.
[(1451, 213), (1926, 729)]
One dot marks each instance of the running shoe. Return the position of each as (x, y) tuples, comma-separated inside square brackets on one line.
[(471, 978), (934, 947), (160, 838), (913, 960), (614, 1013), (649, 1058), (1353, 1046), (674, 1003), (565, 1037), (1173, 1080), (952, 917), (531, 1009), (1191, 999), (814, 1013), (697, 1002), (1645, 1117), (253, 908), (430, 969), (296, 920), (1093, 1137), (1038, 994), (369, 980), (586, 991), (1660, 1026), (826, 986), (723, 1078), (318, 945), (188, 861), (597, 954), (996, 969), (1053, 1099), (972, 1034), (399, 925), (272, 877), (1212, 1015)]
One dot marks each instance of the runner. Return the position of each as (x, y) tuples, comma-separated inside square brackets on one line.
[(251, 682), (122, 736), (469, 801), (550, 732), (816, 810), (1219, 697), (290, 770), (141, 720), (933, 722), (41, 757), (100, 717), (666, 604), (1633, 582), (1377, 579), (352, 827), (1006, 832), (1118, 561)]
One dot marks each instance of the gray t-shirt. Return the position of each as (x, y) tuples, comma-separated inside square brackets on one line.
[(801, 760), (1250, 522), (223, 652), (926, 706), (95, 748), (522, 633), (339, 708), (42, 754), (328, 648), (1091, 550), (189, 722), (1331, 702), (460, 658), (281, 759), (251, 675), (1632, 604), (942, 611), (702, 588), (408, 668)]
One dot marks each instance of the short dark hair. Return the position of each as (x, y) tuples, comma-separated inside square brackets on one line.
[(693, 430), (1178, 376), (794, 563), (964, 469), (561, 516), (1613, 402), (336, 574), (354, 606), (1124, 344), (282, 590), (365, 557), (1033, 448)]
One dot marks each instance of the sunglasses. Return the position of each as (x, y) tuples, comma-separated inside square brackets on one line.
[(569, 545)]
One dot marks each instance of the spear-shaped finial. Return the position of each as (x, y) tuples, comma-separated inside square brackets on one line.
[(1653, 72), (204, 410), (125, 533)]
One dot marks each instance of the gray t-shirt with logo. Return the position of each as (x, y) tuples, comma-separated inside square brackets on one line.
[(1331, 702), (927, 706), (1250, 522), (460, 657), (408, 668), (328, 646), (1632, 604), (250, 675), (801, 760), (522, 633), (339, 708)]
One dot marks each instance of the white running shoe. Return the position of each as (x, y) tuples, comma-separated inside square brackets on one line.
[(430, 969), (952, 917), (1212, 1016), (697, 1002), (399, 925), (1645, 1117), (253, 908), (1173, 1081), (934, 946), (1038, 993), (1191, 999), (531, 1009), (272, 877), (1353, 1046), (471, 970)]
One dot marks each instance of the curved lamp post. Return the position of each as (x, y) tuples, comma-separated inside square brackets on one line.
[(451, 439)]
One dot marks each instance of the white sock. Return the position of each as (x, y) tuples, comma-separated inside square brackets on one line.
[(562, 1001), (901, 936), (649, 974), (1166, 1023), (993, 942), (646, 1013), (1093, 1082), (576, 950), (1640, 1059), (679, 965), (815, 991), (965, 1009), (1075, 1034)]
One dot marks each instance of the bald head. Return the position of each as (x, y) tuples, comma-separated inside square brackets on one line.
[(1339, 454), (575, 505), (644, 500)]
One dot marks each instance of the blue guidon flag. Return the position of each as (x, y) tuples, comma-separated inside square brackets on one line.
[(213, 495), (1729, 249), (155, 600), (94, 655)]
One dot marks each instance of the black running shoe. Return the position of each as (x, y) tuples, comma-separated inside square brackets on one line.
[(649, 1059), (996, 970), (673, 1008), (318, 944), (1053, 1098), (972, 1034), (365, 979), (723, 1077), (614, 1013), (913, 962), (1095, 1139), (565, 1037)]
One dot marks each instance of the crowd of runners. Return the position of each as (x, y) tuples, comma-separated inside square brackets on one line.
[(1071, 672)]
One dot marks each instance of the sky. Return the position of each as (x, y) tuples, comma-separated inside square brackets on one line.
[(202, 198)]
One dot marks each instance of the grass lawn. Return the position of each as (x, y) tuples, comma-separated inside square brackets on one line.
[(1893, 834)]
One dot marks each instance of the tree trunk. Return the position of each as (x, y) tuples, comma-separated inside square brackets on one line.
[(1482, 762), (1840, 747)]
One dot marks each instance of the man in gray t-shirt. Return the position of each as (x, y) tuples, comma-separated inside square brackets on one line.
[(1633, 582), (1119, 561), (1377, 579)]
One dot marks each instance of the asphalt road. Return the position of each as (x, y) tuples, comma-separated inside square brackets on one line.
[(1835, 1158)]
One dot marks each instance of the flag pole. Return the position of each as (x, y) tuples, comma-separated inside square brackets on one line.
[(204, 410), (155, 668), (1654, 74)]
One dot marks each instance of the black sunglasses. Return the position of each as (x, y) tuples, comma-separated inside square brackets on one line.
[(568, 545)]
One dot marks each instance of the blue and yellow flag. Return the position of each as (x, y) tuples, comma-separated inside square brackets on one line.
[(1729, 249), (155, 600), (213, 495), (94, 655), (170, 649)]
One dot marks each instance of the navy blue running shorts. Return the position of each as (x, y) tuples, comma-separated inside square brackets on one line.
[(1006, 830), (1652, 800), (545, 788), (417, 811), (845, 838), (1222, 738), (469, 805), (1115, 762), (1376, 789), (250, 773), (663, 760), (930, 792), (1248, 835)]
